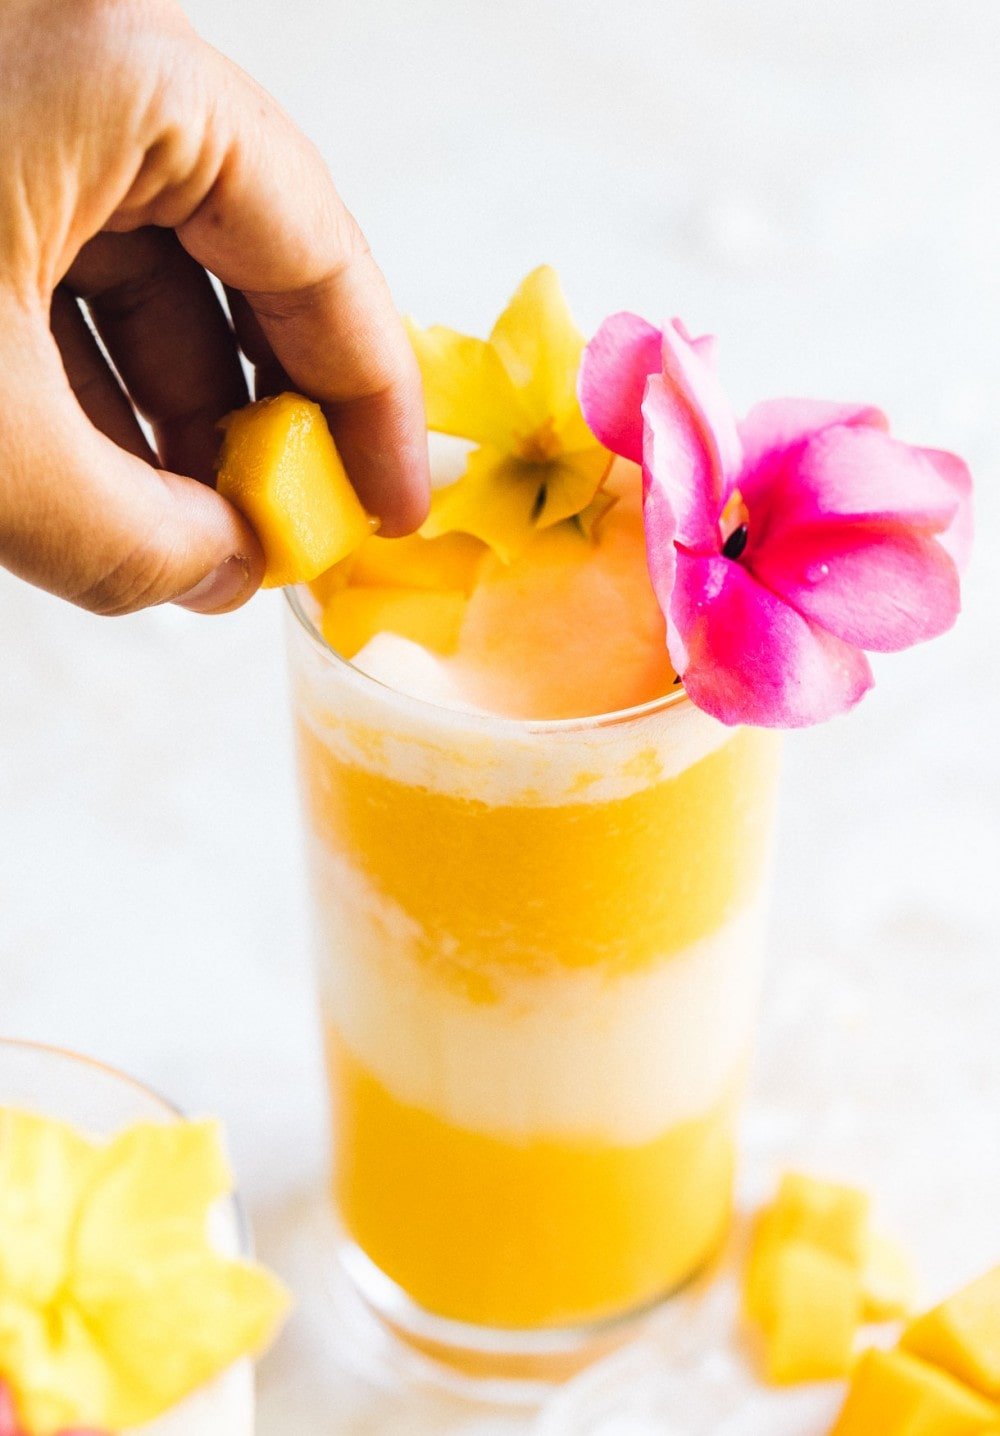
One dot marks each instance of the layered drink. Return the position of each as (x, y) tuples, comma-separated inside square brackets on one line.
[(540, 877)]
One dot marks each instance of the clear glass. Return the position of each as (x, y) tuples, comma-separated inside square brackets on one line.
[(101, 1101), (539, 957)]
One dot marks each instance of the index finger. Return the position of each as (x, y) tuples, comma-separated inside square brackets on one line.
[(273, 226)]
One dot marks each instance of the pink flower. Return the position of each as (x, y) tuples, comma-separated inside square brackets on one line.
[(782, 547)]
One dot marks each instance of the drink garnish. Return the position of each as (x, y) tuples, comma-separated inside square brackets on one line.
[(114, 1302), (536, 463), (847, 539)]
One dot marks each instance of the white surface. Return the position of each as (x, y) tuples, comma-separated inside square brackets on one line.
[(818, 185)]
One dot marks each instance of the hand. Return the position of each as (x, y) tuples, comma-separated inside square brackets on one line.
[(135, 159)]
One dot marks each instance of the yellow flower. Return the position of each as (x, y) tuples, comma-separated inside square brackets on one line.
[(114, 1305), (514, 395)]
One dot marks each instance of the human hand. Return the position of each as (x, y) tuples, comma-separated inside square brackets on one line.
[(135, 159)]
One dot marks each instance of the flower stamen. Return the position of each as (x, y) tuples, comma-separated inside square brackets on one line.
[(736, 542)]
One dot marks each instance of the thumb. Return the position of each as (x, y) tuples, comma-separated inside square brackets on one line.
[(92, 523)]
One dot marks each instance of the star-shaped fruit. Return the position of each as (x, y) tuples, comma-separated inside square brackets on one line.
[(513, 395)]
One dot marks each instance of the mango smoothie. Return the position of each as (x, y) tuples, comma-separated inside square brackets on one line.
[(539, 875)]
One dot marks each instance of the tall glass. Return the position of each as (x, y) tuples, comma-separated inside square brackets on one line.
[(539, 958), (100, 1101)]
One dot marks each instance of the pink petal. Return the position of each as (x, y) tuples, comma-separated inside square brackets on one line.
[(881, 587), (613, 373), (778, 424), (660, 529), (677, 464), (848, 473), (706, 346), (8, 1416), (696, 380), (957, 537), (747, 657)]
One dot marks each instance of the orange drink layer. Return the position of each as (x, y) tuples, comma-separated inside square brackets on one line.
[(540, 951)]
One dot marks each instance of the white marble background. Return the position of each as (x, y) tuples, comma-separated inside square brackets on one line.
[(818, 184)]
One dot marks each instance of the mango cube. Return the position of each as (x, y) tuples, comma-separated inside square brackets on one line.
[(889, 1282), (893, 1394), (962, 1335), (813, 1314), (354, 616), (759, 1276), (280, 468), (449, 562), (331, 581), (829, 1215)]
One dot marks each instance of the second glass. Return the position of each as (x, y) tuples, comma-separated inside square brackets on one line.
[(539, 952)]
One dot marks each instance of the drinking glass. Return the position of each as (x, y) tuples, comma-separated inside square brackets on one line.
[(100, 1102), (539, 950)]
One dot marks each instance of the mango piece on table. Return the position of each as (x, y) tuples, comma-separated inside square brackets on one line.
[(962, 1335), (889, 1282), (280, 468), (894, 1394), (813, 1310), (829, 1215), (759, 1274), (354, 616), (451, 561)]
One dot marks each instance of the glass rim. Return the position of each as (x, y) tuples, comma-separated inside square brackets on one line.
[(676, 698), (52, 1050)]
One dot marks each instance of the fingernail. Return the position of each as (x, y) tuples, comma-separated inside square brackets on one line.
[(218, 589)]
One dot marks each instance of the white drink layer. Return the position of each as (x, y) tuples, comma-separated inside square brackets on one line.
[(367, 724), (578, 1054), (574, 1054)]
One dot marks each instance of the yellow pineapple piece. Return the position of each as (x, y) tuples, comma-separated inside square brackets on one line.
[(163, 1342), (45, 1168), (114, 1304), (812, 1317), (962, 1335), (893, 1394), (830, 1215), (280, 468), (889, 1282), (449, 562), (354, 616)]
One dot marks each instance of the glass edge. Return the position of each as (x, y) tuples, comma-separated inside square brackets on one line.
[(170, 1109), (493, 721)]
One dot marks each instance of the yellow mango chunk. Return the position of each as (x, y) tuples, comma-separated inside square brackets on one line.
[(893, 1394), (813, 1313), (889, 1282), (354, 616), (758, 1278), (449, 562), (962, 1335), (331, 581), (830, 1215), (814, 1273), (280, 468)]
